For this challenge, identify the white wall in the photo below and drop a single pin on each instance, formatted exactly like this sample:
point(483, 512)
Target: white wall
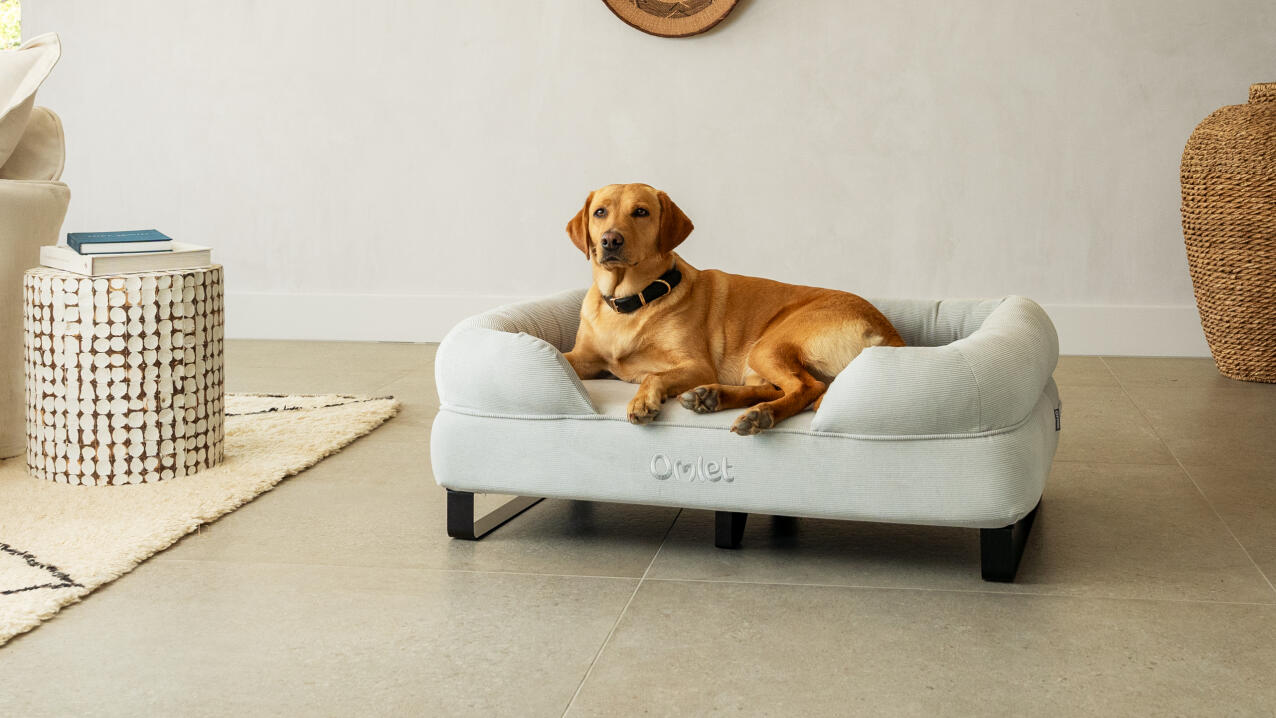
point(381, 174)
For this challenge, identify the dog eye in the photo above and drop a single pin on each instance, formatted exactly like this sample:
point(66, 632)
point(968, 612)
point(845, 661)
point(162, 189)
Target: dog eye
point(600, 212)
point(640, 212)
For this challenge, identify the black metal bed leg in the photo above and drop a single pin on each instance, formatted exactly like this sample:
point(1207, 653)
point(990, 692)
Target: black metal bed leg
point(728, 528)
point(460, 514)
point(1001, 549)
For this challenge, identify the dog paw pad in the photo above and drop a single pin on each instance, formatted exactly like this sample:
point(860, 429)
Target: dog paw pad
point(641, 412)
point(753, 421)
point(702, 400)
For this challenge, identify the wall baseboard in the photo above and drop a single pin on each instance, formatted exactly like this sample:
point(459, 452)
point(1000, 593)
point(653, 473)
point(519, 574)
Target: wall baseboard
point(1083, 329)
point(1129, 330)
point(352, 317)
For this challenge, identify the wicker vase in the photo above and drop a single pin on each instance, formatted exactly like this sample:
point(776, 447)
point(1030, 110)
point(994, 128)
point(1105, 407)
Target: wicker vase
point(1229, 225)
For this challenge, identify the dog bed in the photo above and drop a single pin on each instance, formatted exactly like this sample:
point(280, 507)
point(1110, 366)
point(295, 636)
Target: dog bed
point(956, 429)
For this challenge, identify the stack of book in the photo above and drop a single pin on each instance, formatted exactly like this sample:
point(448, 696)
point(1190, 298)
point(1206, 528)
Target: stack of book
point(144, 250)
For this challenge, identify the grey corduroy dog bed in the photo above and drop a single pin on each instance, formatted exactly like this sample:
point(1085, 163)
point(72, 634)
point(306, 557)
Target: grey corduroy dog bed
point(958, 428)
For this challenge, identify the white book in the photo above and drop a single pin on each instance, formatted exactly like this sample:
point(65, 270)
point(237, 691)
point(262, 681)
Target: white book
point(183, 256)
point(127, 247)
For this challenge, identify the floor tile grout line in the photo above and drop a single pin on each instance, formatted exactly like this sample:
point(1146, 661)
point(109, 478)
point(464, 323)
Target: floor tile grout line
point(433, 569)
point(981, 592)
point(1227, 526)
point(1191, 478)
point(396, 378)
point(1114, 463)
point(532, 574)
point(620, 617)
point(851, 586)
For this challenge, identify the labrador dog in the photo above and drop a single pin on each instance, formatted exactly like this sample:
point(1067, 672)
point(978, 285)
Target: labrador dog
point(714, 340)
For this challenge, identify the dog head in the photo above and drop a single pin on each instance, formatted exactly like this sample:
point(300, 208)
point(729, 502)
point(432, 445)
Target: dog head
point(623, 225)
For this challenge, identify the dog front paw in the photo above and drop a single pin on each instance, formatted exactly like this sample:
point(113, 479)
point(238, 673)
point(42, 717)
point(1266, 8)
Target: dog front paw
point(754, 421)
point(702, 399)
point(642, 410)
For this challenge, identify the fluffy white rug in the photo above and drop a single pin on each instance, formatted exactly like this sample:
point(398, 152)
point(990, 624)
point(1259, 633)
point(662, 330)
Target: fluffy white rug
point(58, 542)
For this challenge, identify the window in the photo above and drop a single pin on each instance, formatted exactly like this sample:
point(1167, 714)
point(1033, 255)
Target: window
point(10, 24)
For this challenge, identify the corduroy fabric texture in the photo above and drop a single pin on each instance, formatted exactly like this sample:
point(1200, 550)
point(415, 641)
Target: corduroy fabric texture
point(554, 318)
point(972, 365)
point(958, 429)
point(987, 379)
point(975, 481)
point(934, 323)
point(510, 359)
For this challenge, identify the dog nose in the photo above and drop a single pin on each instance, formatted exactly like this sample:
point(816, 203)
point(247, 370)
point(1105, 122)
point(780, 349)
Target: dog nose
point(612, 239)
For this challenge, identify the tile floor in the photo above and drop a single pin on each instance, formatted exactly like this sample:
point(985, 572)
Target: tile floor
point(1146, 587)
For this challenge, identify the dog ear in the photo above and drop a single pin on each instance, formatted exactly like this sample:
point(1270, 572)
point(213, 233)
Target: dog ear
point(578, 227)
point(674, 225)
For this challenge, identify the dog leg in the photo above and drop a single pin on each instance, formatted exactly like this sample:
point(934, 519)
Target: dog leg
point(587, 364)
point(717, 397)
point(780, 366)
point(651, 394)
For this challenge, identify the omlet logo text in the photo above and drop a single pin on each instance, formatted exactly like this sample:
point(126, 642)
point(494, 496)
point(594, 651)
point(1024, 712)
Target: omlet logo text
point(663, 467)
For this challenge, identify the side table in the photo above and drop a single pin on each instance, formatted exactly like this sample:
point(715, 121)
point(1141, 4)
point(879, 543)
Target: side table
point(123, 375)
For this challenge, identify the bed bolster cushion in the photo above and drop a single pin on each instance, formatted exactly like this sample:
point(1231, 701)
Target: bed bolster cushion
point(554, 319)
point(934, 323)
point(487, 371)
point(987, 381)
point(500, 362)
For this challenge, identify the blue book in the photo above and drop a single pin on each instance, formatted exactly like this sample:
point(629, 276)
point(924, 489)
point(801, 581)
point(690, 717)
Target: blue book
point(130, 242)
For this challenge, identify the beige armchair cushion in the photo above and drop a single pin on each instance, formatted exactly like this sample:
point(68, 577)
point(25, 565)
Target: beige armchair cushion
point(31, 215)
point(21, 73)
point(41, 152)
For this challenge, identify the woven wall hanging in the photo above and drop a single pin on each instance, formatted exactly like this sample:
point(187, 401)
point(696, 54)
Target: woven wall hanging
point(1229, 224)
point(671, 19)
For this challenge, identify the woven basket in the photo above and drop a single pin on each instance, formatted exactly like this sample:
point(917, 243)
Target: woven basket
point(1229, 225)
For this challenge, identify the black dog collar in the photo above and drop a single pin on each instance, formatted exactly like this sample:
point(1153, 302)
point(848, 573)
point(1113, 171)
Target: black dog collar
point(651, 293)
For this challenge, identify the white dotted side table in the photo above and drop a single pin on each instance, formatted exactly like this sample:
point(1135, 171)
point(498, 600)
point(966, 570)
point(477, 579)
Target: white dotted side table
point(123, 375)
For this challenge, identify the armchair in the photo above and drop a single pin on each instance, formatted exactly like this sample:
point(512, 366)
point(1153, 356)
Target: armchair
point(33, 203)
